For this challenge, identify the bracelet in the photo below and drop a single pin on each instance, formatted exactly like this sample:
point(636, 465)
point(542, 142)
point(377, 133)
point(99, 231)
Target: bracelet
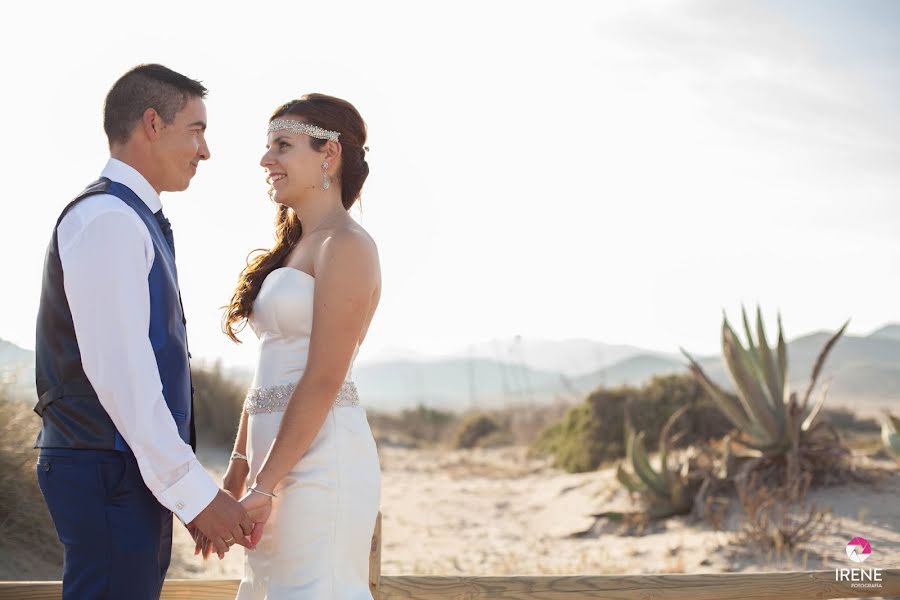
point(253, 489)
point(237, 454)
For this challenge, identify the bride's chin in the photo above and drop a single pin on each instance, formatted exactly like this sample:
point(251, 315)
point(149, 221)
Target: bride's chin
point(283, 200)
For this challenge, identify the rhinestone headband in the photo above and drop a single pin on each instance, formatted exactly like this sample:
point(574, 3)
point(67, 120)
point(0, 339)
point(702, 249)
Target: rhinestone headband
point(301, 127)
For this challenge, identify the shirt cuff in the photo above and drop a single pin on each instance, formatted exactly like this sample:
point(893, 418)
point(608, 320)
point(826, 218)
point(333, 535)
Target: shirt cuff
point(188, 496)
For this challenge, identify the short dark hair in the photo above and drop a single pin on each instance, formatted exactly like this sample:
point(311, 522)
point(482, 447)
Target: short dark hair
point(143, 87)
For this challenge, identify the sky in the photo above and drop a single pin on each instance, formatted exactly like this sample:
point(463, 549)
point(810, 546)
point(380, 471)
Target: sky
point(623, 171)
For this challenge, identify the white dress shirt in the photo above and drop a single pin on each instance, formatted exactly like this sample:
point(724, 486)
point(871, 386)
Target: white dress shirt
point(106, 254)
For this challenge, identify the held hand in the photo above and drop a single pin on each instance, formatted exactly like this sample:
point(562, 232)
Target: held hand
point(259, 507)
point(224, 522)
point(202, 545)
point(195, 535)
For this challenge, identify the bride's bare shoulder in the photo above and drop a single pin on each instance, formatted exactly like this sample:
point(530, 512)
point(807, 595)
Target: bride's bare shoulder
point(352, 243)
point(355, 229)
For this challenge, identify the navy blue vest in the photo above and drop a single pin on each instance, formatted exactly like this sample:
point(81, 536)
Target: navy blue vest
point(68, 405)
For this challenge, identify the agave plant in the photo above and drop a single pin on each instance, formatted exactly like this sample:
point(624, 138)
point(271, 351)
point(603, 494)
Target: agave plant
point(665, 492)
point(765, 410)
point(890, 434)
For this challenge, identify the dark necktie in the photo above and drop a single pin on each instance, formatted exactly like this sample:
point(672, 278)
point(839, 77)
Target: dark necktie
point(166, 227)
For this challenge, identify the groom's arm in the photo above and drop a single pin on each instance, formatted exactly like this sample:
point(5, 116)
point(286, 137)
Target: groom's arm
point(106, 257)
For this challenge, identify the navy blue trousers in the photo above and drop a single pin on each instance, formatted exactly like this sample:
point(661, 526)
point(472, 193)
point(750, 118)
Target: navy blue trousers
point(117, 536)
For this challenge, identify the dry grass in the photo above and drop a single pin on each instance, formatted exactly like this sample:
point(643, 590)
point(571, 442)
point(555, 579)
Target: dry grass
point(474, 429)
point(218, 401)
point(526, 422)
point(424, 427)
point(820, 455)
point(412, 428)
point(777, 519)
point(29, 544)
point(29, 547)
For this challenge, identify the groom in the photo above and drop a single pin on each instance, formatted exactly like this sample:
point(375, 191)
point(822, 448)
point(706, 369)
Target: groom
point(113, 373)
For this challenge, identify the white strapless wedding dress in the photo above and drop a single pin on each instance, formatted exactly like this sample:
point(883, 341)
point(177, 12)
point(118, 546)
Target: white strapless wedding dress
point(316, 544)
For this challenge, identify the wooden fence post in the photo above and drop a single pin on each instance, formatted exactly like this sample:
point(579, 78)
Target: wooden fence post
point(375, 558)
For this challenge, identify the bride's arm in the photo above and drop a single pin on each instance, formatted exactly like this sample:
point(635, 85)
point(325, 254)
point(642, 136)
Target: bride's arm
point(236, 476)
point(234, 482)
point(347, 275)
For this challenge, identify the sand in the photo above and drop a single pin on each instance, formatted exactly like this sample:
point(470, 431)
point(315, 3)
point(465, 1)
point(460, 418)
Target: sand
point(497, 512)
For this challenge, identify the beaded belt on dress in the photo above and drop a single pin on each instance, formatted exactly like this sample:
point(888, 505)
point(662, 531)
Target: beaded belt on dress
point(275, 398)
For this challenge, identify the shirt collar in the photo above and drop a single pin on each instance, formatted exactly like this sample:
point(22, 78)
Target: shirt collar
point(123, 173)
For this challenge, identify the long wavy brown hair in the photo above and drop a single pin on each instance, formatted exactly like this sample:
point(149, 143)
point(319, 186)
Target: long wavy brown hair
point(329, 113)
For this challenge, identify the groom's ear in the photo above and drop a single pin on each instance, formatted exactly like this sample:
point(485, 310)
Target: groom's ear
point(151, 124)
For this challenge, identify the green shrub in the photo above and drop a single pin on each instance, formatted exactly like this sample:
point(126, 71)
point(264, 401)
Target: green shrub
point(891, 434)
point(593, 433)
point(582, 440)
point(473, 429)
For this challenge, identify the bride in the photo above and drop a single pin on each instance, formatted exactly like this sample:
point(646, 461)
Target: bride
point(304, 444)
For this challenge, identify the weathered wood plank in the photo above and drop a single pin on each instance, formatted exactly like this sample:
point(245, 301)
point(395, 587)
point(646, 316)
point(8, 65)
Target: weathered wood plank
point(173, 589)
point(746, 586)
point(708, 586)
point(375, 558)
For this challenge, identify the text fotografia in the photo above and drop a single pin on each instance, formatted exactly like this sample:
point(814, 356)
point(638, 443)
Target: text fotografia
point(859, 578)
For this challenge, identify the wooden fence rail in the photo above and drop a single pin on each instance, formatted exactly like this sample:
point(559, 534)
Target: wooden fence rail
point(802, 585)
point(717, 586)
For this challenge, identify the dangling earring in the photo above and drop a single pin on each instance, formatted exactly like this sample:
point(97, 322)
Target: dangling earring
point(326, 181)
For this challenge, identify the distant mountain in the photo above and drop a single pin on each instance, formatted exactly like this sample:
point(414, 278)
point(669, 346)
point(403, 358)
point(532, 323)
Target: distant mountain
point(857, 368)
point(452, 384)
point(17, 369)
point(508, 371)
point(891, 331)
point(869, 381)
point(384, 354)
point(572, 357)
point(10, 354)
point(501, 371)
point(849, 349)
point(460, 384)
point(631, 371)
